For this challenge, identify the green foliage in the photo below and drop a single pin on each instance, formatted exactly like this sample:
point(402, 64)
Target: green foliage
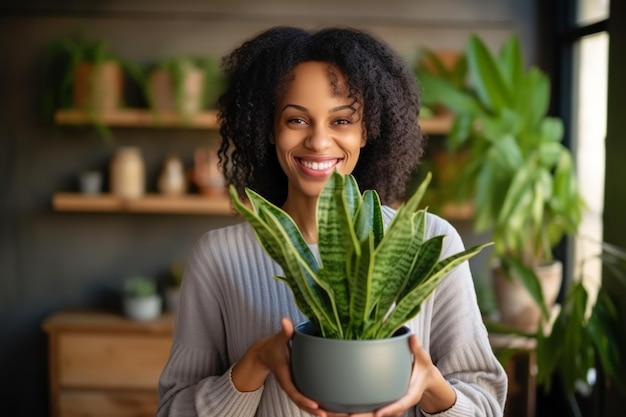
point(139, 287)
point(585, 334)
point(175, 275)
point(519, 175)
point(370, 281)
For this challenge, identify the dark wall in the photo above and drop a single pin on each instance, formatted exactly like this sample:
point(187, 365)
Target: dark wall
point(615, 197)
point(51, 260)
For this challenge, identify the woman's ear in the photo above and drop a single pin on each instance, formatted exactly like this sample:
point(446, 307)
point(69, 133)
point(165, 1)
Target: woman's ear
point(364, 138)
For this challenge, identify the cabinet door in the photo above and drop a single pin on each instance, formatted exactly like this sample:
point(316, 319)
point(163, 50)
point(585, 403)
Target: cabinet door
point(120, 361)
point(75, 403)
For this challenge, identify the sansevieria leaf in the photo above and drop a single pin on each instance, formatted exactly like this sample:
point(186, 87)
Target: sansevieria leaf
point(371, 280)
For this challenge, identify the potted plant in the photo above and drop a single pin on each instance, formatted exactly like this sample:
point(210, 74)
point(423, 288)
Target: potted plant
point(585, 336)
point(184, 85)
point(519, 175)
point(368, 283)
point(141, 300)
point(86, 75)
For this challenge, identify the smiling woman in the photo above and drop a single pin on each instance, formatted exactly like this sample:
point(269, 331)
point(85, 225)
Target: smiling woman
point(299, 106)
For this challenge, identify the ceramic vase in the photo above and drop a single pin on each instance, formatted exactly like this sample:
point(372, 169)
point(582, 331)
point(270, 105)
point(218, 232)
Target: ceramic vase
point(172, 180)
point(128, 173)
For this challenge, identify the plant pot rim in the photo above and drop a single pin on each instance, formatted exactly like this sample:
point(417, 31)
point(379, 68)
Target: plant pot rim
point(308, 330)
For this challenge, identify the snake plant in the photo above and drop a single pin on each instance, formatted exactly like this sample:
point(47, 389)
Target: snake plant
point(370, 280)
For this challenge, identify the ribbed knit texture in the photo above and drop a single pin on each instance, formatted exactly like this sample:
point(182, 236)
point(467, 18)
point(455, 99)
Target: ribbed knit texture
point(229, 300)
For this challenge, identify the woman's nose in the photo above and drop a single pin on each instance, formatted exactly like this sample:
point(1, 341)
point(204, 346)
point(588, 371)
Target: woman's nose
point(319, 138)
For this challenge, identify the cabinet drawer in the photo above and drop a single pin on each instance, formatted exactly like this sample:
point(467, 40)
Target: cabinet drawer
point(121, 361)
point(107, 404)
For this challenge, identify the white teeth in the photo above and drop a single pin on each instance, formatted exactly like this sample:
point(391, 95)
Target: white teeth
point(318, 166)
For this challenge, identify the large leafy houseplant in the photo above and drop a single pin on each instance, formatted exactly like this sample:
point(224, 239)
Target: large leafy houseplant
point(524, 187)
point(519, 175)
point(370, 279)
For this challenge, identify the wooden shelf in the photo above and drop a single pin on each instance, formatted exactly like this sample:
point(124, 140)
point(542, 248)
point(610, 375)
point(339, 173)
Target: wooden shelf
point(138, 118)
point(150, 203)
point(439, 125)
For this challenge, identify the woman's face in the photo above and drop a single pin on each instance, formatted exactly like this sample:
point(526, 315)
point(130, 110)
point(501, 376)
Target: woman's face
point(318, 129)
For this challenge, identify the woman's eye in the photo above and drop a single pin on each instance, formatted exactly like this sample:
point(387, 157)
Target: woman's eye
point(296, 120)
point(342, 121)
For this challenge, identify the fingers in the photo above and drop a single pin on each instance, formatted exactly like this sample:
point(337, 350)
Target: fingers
point(414, 344)
point(415, 388)
point(287, 326)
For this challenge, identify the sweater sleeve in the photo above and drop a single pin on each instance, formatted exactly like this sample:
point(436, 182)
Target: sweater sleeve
point(196, 379)
point(459, 343)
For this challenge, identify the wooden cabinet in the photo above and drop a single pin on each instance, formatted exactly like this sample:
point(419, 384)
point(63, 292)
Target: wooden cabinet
point(102, 364)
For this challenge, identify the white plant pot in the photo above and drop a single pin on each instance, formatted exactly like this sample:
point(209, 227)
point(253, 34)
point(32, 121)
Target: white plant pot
point(142, 309)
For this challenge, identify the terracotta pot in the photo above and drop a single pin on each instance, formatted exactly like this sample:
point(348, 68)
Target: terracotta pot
point(515, 304)
point(165, 97)
point(98, 87)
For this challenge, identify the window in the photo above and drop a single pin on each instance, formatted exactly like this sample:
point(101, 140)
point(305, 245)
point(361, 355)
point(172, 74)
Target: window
point(584, 43)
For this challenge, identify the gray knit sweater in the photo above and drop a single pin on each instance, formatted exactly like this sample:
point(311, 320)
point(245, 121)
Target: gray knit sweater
point(229, 300)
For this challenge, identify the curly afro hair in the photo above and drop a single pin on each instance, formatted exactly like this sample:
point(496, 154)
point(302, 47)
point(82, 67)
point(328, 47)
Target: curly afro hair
point(259, 71)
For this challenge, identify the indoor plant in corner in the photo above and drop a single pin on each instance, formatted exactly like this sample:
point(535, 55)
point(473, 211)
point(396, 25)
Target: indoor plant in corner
point(369, 281)
point(519, 174)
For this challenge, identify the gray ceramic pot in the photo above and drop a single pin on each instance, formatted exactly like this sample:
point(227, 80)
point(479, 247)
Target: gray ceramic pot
point(350, 376)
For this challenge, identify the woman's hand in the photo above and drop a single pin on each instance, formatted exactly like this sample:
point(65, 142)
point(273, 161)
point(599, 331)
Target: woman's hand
point(427, 387)
point(272, 354)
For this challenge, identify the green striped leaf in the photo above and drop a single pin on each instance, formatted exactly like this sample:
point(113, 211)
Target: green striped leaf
point(364, 269)
point(406, 308)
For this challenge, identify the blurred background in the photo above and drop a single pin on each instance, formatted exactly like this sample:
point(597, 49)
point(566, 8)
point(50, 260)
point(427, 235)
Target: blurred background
point(105, 191)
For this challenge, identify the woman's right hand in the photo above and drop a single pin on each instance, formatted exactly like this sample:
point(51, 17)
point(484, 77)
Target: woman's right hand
point(272, 354)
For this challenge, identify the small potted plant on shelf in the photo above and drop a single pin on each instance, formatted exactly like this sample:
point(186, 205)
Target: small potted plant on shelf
point(519, 175)
point(369, 282)
point(184, 85)
point(86, 75)
point(141, 300)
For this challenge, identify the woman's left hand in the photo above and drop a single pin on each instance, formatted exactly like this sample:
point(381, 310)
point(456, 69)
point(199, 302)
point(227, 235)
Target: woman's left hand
point(427, 387)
